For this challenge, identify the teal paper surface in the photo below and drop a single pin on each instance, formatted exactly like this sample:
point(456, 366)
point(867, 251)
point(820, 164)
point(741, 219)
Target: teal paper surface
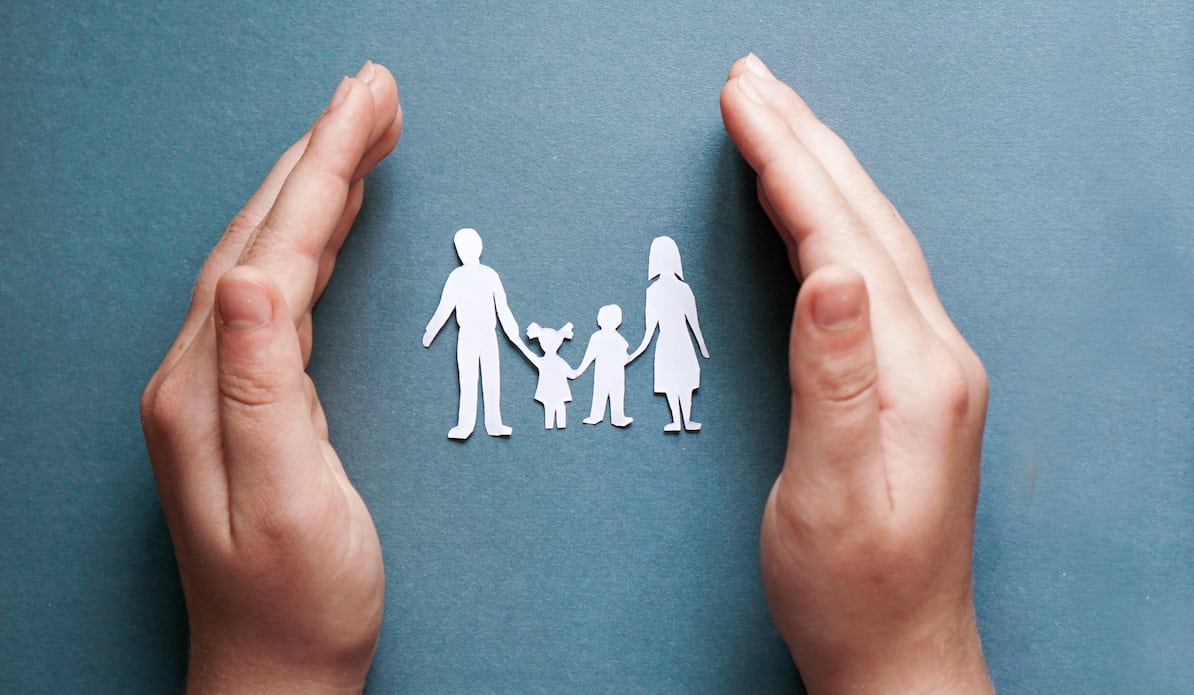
point(1042, 153)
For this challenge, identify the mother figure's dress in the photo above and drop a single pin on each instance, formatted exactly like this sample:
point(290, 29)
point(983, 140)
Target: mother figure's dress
point(670, 302)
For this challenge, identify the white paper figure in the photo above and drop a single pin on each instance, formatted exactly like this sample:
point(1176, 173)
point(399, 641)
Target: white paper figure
point(553, 391)
point(672, 308)
point(608, 349)
point(475, 293)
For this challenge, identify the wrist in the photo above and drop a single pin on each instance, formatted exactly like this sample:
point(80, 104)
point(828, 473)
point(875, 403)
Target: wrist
point(221, 669)
point(934, 661)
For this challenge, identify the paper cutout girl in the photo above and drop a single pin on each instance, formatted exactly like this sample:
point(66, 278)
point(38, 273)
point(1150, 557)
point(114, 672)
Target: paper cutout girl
point(608, 349)
point(553, 391)
point(671, 307)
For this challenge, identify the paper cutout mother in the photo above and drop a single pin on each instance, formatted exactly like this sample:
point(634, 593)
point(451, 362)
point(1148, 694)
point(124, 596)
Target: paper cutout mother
point(671, 307)
point(474, 291)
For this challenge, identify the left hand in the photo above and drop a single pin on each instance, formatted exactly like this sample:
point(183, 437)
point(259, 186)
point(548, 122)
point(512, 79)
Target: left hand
point(279, 559)
point(867, 536)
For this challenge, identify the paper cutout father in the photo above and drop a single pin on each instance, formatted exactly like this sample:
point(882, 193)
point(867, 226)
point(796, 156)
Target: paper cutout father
point(474, 291)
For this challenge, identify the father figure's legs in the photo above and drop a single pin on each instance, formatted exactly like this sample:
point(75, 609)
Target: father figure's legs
point(491, 385)
point(467, 363)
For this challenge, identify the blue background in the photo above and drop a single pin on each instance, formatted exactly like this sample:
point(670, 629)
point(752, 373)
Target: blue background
point(1043, 152)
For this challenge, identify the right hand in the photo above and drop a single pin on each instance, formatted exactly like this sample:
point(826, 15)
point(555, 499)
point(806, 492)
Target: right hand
point(868, 532)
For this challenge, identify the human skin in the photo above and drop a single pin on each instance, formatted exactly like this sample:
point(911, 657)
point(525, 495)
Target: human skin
point(279, 559)
point(868, 533)
point(867, 538)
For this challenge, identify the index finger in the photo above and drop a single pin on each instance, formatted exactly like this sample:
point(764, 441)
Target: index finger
point(818, 220)
point(873, 208)
point(291, 239)
point(231, 246)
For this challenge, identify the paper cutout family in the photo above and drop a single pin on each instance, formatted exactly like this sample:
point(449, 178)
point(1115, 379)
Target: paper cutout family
point(475, 294)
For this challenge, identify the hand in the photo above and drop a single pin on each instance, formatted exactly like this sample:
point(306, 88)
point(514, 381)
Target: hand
point(428, 336)
point(526, 352)
point(279, 560)
point(867, 535)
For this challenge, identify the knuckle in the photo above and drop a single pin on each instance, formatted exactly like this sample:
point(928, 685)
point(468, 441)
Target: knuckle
point(249, 391)
point(801, 515)
point(289, 520)
point(956, 396)
point(773, 170)
point(872, 198)
point(777, 174)
point(164, 403)
point(845, 383)
point(838, 215)
point(812, 511)
point(980, 380)
point(281, 240)
point(803, 116)
point(949, 389)
point(281, 525)
point(148, 395)
point(798, 521)
point(243, 224)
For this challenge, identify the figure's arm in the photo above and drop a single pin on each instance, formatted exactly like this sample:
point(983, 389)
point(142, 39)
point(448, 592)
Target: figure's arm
point(590, 355)
point(690, 313)
point(447, 303)
point(652, 323)
point(509, 324)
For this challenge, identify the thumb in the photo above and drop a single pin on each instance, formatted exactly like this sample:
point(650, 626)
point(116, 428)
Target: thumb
point(269, 438)
point(834, 444)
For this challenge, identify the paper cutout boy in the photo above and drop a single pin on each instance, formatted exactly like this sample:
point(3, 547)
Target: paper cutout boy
point(474, 291)
point(608, 349)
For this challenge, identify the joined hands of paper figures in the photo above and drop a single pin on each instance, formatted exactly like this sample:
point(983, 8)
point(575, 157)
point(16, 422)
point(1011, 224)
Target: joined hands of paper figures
point(474, 292)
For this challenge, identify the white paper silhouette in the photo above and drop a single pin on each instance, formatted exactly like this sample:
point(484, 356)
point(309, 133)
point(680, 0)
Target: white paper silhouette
point(475, 293)
point(608, 349)
point(553, 391)
point(671, 308)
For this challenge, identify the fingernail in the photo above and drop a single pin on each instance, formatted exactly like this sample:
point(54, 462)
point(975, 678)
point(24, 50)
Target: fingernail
point(757, 66)
point(838, 308)
point(365, 74)
point(244, 305)
point(341, 94)
point(749, 86)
